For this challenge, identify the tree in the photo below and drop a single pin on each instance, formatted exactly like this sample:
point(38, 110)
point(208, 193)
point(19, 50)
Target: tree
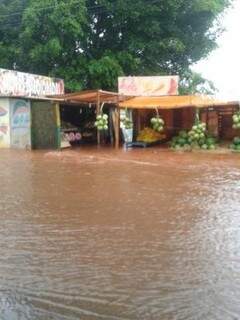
point(10, 21)
point(91, 42)
point(193, 82)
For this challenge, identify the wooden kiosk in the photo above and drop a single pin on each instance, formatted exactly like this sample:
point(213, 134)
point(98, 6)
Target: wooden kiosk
point(178, 112)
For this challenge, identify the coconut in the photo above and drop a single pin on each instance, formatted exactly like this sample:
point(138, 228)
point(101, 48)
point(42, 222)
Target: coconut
point(101, 122)
point(157, 124)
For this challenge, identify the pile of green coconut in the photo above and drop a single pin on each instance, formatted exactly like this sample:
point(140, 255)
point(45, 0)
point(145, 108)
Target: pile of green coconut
point(196, 138)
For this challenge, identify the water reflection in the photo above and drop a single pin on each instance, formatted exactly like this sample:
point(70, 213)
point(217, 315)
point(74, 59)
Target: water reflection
point(94, 234)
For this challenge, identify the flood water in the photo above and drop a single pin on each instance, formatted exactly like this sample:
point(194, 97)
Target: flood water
point(101, 234)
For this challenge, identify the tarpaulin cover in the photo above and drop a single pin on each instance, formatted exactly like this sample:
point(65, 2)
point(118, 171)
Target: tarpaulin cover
point(92, 96)
point(172, 102)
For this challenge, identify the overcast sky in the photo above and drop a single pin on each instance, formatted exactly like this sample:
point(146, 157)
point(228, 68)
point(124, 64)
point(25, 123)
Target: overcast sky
point(223, 65)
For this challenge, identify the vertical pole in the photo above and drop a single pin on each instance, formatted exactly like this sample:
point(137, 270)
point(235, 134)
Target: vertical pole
point(207, 116)
point(58, 125)
point(117, 126)
point(138, 121)
point(98, 111)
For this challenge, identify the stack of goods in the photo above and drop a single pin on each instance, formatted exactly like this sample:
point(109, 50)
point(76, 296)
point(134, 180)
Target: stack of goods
point(196, 138)
point(72, 136)
point(199, 138)
point(236, 120)
point(235, 146)
point(197, 132)
point(157, 124)
point(102, 122)
point(126, 123)
point(181, 141)
point(149, 135)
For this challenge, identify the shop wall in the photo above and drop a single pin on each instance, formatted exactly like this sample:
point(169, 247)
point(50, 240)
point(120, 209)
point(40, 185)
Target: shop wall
point(183, 119)
point(212, 120)
point(4, 123)
point(188, 115)
point(45, 125)
point(20, 120)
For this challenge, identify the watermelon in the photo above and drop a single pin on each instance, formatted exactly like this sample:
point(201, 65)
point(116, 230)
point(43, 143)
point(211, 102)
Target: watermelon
point(211, 147)
point(236, 140)
point(183, 134)
point(204, 147)
point(201, 142)
point(182, 141)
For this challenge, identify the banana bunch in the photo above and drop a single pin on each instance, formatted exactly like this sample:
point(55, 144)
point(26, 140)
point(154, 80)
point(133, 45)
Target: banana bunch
point(149, 135)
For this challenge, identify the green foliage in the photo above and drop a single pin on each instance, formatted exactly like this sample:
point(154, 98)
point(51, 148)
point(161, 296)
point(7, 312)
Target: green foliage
point(104, 72)
point(193, 82)
point(91, 42)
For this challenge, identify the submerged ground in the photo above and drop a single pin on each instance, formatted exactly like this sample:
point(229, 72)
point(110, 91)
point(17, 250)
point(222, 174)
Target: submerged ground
point(100, 234)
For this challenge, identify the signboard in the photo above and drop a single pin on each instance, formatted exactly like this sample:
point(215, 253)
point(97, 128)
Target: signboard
point(148, 86)
point(19, 84)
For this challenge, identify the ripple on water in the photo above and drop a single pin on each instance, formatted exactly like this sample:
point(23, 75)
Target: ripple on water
point(88, 235)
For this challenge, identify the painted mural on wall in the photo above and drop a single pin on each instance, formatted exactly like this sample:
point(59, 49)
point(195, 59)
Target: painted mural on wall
point(148, 86)
point(20, 84)
point(20, 124)
point(4, 124)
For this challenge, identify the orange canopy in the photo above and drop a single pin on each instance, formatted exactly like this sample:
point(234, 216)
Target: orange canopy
point(172, 102)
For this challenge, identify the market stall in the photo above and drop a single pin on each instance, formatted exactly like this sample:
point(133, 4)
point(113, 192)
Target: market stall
point(177, 113)
point(90, 116)
point(28, 119)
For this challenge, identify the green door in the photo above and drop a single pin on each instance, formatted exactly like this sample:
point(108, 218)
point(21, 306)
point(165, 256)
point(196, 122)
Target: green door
point(45, 125)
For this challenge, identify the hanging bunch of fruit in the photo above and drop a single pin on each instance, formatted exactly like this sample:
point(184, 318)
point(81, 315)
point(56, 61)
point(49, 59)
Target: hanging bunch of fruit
point(101, 122)
point(126, 122)
point(235, 145)
point(236, 120)
point(157, 123)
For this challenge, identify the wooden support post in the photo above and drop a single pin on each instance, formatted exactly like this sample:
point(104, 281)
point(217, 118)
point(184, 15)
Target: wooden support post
point(117, 127)
point(207, 118)
point(138, 121)
point(98, 111)
point(58, 124)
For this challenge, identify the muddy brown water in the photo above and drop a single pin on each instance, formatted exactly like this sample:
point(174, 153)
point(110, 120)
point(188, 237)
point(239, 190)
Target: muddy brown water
point(100, 234)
